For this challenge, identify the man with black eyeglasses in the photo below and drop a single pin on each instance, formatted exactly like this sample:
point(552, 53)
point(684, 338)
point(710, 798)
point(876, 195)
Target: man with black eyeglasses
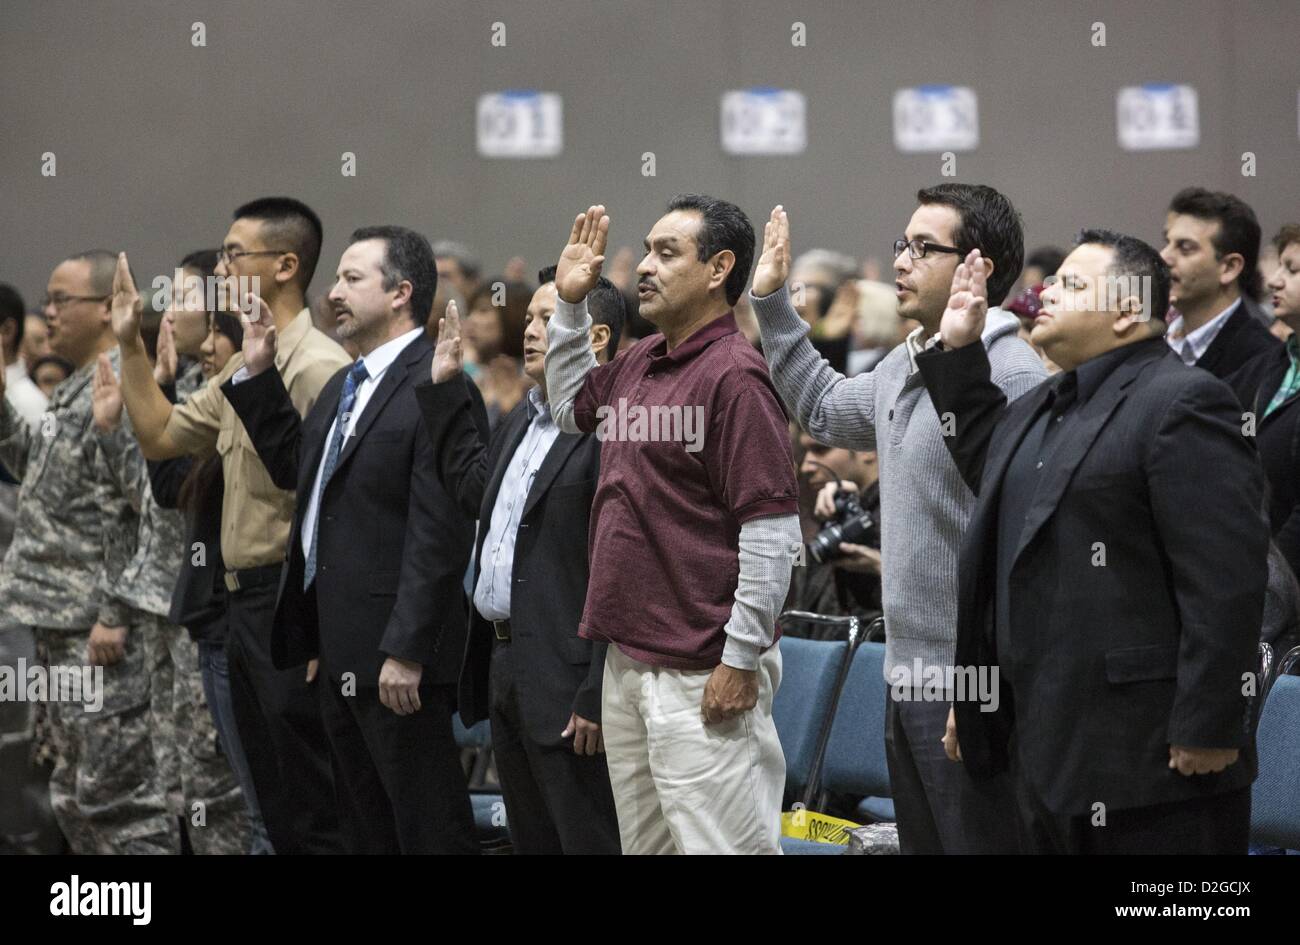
point(924, 503)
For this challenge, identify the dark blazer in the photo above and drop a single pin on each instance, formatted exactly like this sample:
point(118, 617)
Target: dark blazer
point(1242, 338)
point(199, 598)
point(392, 548)
point(1278, 437)
point(1112, 660)
point(550, 565)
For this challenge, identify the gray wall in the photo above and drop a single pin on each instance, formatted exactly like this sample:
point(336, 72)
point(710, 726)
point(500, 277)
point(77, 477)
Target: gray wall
point(157, 141)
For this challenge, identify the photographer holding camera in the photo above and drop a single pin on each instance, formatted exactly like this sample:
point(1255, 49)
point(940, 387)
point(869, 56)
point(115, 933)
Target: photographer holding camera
point(841, 524)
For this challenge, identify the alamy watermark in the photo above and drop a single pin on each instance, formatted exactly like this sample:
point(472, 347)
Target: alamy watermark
point(667, 423)
point(39, 683)
point(922, 682)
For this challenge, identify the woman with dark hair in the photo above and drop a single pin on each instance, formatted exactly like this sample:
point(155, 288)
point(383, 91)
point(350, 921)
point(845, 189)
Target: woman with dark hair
point(195, 487)
point(493, 339)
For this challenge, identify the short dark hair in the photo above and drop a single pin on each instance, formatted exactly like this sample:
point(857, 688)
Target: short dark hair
point(61, 362)
point(202, 260)
point(408, 257)
point(1134, 258)
point(1290, 233)
point(724, 226)
point(605, 303)
point(989, 223)
point(1239, 230)
point(1046, 258)
point(103, 268)
point(292, 223)
point(13, 307)
point(231, 327)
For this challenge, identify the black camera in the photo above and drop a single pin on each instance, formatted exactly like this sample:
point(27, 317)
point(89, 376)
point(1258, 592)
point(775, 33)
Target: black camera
point(851, 524)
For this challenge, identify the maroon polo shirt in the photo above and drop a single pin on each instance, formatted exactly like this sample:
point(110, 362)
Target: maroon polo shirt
point(665, 523)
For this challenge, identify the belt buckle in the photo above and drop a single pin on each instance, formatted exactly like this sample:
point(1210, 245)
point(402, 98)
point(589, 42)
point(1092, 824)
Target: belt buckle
point(502, 629)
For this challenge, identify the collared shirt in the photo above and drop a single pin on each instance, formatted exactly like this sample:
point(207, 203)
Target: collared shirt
point(1031, 463)
point(1192, 347)
point(255, 515)
point(28, 399)
point(377, 363)
point(492, 593)
point(916, 342)
point(694, 444)
point(1291, 382)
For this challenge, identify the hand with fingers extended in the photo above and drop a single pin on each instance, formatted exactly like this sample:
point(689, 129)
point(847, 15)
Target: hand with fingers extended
point(579, 267)
point(773, 266)
point(105, 396)
point(449, 354)
point(127, 306)
point(259, 335)
point(164, 369)
point(968, 302)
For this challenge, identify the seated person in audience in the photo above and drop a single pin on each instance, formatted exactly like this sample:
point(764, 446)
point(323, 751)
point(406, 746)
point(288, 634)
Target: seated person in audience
point(492, 341)
point(846, 579)
point(50, 371)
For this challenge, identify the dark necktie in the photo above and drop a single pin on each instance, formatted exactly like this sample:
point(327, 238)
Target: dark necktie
point(355, 376)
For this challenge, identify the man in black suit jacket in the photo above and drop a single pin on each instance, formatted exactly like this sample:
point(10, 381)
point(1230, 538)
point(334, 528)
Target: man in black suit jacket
point(1212, 250)
point(1113, 571)
point(531, 487)
point(372, 579)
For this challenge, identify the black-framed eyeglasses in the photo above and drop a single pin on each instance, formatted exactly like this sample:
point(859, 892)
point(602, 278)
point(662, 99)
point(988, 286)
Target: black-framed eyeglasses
point(918, 248)
point(228, 256)
point(59, 301)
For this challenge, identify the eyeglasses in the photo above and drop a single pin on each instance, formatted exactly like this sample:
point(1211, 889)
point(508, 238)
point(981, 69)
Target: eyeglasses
point(62, 301)
point(918, 248)
point(228, 256)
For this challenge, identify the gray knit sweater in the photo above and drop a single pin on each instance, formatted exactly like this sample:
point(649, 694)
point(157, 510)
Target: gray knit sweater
point(924, 504)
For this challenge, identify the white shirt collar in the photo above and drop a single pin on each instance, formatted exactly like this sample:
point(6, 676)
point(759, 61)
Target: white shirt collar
point(378, 361)
point(1192, 347)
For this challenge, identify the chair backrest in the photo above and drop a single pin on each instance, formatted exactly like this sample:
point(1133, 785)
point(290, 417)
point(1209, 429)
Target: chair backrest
point(808, 670)
point(1275, 798)
point(479, 735)
point(855, 757)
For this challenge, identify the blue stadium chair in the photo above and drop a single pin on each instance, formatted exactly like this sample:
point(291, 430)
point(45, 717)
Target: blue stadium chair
point(855, 756)
point(808, 670)
point(1275, 797)
point(475, 743)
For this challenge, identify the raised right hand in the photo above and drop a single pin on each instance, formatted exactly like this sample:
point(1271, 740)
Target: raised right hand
point(448, 355)
point(259, 335)
point(579, 267)
point(968, 303)
point(126, 304)
point(164, 369)
point(773, 266)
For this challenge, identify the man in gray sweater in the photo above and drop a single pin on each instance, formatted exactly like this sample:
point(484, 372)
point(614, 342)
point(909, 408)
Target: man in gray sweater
point(924, 504)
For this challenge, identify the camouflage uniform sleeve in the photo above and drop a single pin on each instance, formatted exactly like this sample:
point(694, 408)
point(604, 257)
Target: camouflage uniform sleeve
point(15, 439)
point(124, 461)
point(119, 506)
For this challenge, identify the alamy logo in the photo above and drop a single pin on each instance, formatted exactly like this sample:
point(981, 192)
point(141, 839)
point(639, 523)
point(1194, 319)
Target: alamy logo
point(36, 683)
point(103, 899)
point(659, 423)
point(932, 683)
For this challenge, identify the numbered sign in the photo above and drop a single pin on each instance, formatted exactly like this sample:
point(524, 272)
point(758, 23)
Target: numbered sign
point(936, 118)
point(1157, 116)
point(764, 121)
point(520, 124)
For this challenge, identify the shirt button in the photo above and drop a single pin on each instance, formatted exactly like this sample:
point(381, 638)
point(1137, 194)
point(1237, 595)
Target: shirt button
point(891, 415)
point(1040, 465)
point(1060, 418)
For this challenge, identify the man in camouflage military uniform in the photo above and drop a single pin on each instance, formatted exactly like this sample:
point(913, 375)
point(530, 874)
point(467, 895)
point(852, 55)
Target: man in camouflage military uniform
point(75, 533)
point(202, 787)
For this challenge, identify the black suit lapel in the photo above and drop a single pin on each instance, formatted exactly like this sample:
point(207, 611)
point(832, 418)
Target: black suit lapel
point(564, 444)
point(394, 378)
point(1070, 453)
point(512, 436)
point(1025, 410)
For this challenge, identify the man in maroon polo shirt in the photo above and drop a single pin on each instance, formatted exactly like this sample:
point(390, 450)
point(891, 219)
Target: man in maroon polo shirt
point(692, 530)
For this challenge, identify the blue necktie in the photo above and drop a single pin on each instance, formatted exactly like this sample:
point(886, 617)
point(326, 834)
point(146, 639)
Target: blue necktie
point(355, 376)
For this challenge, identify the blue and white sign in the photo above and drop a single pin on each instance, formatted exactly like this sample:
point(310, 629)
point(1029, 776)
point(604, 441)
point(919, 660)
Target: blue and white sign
point(520, 124)
point(764, 121)
point(936, 118)
point(1157, 116)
